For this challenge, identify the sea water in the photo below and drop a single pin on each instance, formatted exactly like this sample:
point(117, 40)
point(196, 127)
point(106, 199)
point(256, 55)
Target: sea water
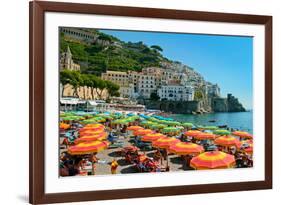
point(236, 120)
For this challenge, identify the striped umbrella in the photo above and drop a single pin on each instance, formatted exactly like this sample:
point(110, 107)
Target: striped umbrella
point(186, 148)
point(100, 137)
point(152, 137)
point(135, 128)
point(213, 160)
point(91, 129)
point(143, 132)
point(96, 125)
point(90, 132)
point(164, 142)
point(227, 141)
point(244, 135)
point(87, 147)
point(205, 136)
point(192, 133)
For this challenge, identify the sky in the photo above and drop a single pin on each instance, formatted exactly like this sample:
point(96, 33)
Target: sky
point(225, 60)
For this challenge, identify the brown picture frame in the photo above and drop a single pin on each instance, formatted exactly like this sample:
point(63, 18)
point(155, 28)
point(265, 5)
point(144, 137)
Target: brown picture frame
point(37, 193)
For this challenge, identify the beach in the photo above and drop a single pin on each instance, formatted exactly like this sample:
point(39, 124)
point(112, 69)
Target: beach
point(122, 143)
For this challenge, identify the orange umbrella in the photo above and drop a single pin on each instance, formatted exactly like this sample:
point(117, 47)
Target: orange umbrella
point(100, 137)
point(227, 141)
point(152, 137)
point(94, 125)
point(87, 147)
point(90, 132)
point(205, 136)
point(185, 148)
point(242, 134)
point(64, 126)
point(192, 133)
point(213, 160)
point(142, 132)
point(135, 128)
point(164, 142)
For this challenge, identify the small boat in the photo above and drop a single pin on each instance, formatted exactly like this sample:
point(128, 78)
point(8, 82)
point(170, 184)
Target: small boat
point(212, 120)
point(223, 126)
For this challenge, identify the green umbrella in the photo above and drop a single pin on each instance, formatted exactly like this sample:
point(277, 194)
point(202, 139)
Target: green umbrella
point(89, 121)
point(221, 132)
point(173, 123)
point(187, 125)
point(170, 129)
point(210, 127)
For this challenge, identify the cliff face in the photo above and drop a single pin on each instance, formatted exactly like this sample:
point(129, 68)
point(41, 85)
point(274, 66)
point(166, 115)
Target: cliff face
point(229, 104)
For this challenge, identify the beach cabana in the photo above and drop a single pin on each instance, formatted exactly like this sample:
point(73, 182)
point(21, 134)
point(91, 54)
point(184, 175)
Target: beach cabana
point(213, 160)
point(88, 148)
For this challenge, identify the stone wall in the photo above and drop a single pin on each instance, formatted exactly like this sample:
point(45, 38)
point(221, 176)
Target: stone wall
point(186, 107)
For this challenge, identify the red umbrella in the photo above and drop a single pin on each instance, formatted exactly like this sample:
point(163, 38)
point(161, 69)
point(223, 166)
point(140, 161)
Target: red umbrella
point(142, 132)
point(192, 133)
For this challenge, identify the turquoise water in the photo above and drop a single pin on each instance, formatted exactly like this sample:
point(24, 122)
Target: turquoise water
point(237, 120)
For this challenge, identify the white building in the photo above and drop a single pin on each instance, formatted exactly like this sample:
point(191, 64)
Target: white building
point(146, 85)
point(213, 90)
point(176, 92)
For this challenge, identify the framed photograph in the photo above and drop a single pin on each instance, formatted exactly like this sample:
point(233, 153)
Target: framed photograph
point(132, 102)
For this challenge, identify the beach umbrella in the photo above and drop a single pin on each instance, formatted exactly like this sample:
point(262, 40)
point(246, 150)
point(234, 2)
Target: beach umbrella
point(173, 123)
point(90, 129)
point(64, 126)
point(227, 141)
point(244, 135)
point(192, 133)
point(210, 127)
point(213, 160)
point(89, 121)
point(152, 137)
point(88, 147)
point(90, 132)
point(205, 136)
point(142, 132)
point(164, 142)
point(186, 148)
point(134, 128)
point(100, 137)
point(158, 126)
point(221, 132)
point(170, 129)
point(187, 125)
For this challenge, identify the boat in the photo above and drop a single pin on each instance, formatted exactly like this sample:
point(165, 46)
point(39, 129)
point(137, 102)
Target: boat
point(212, 120)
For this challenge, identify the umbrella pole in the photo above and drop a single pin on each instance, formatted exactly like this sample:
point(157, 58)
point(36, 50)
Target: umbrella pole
point(93, 164)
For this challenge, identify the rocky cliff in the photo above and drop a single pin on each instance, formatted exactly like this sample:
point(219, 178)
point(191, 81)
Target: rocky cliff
point(229, 104)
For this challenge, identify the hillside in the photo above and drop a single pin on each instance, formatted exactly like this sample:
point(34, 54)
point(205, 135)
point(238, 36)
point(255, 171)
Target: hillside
point(108, 52)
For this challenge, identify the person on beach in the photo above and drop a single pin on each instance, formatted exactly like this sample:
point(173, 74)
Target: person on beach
point(114, 165)
point(94, 161)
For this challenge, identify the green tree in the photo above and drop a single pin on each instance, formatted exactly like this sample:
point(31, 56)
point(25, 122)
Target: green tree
point(154, 96)
point(156, 47)
point(198, 95)
point(112, 88)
